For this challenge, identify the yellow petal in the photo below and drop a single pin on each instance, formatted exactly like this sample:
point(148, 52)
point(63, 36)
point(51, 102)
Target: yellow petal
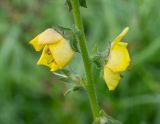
point(62, 53)
point(119, 58)
point(120, 36)
point(111, 78)
point(49, 36)
point(47, 59)
point(35, 44)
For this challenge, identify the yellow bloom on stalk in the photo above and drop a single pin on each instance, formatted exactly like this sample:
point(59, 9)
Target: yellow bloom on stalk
point(118, 61)
point(56, 53)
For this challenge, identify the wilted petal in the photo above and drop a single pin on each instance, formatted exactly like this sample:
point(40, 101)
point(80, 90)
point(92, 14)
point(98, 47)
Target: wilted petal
point(111, 78)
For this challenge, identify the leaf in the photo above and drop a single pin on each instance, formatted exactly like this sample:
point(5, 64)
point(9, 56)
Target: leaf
point(72, 89)
point(94, 50)
point(66, 72)
point(61, 77)
point(82, 3)
point(64, 28)
point(66, 31)
point(68, 76)
point(76, 31)
point(69, 5)
point(106, 119)
point(74, 41)
point(74, 45)
point(70, 34)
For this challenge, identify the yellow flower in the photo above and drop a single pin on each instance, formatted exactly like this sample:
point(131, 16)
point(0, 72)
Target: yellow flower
point(112, 78)
point(56, 53)
point(118, 61)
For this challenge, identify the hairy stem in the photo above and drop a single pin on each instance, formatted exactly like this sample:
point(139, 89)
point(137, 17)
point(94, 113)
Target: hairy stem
point(86, 59)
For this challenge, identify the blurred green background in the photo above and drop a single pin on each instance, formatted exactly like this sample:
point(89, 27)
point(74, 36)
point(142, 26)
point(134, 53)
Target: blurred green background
point(31, 94)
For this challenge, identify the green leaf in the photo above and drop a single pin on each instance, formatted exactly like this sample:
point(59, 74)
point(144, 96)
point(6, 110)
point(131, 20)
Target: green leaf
point(74, 41)
point(68, 76)
point(82, 3)
point(70, 34)
point(61, 77)
point(72, 89)
point(69, 5)
point(66, 31)
point(64, 28)
point(94, 50)
point(74, 45)
point(106, 119)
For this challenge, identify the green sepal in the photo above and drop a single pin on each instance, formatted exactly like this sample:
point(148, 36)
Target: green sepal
point(65, 31)
point(70, 34)
point(94, 50)
point(99, 58)
point(62, 77)
point(68, 76)
point(62, 28)
point(72, 89)
point(74, 44)
point(105, 119)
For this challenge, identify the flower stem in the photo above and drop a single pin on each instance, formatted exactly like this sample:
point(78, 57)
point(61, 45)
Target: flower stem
point(86, 59)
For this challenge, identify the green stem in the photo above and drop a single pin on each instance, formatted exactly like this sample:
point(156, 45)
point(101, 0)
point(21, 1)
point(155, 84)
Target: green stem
point(86, 59)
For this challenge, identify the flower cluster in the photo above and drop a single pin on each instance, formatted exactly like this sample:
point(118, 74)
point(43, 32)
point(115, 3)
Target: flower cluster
point(118, 61)
point(56, 53)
